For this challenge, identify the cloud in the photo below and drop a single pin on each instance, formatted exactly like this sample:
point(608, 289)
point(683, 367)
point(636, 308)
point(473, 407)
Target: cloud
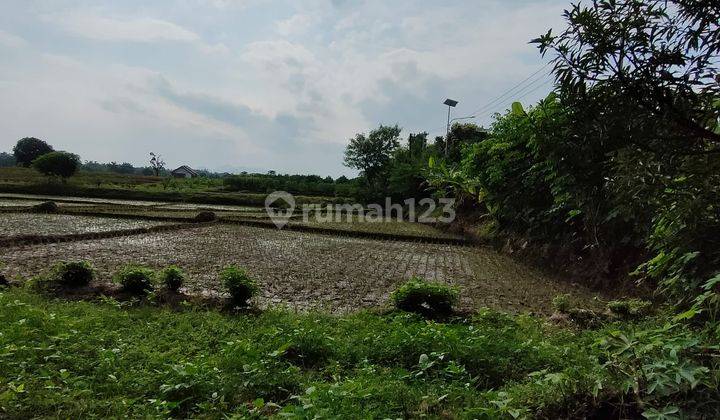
point(281, 84)
point(11, 41)
point(297, 24)
point(130, 29)
point(117, 29)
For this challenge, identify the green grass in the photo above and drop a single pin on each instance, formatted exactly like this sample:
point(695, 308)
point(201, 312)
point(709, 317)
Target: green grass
point(77, 359)
point(105, 359)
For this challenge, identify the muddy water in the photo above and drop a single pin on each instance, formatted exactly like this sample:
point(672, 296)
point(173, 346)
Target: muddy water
point(12, 224)
point(303, 271)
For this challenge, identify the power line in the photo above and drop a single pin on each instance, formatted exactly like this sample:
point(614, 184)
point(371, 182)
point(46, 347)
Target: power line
point(511, 91)
point(515, 99)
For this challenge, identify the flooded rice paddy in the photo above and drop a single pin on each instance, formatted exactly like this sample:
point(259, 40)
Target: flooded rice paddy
point(302, 270)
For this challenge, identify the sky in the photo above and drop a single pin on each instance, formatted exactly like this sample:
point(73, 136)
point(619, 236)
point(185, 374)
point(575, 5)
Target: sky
point(257, 85)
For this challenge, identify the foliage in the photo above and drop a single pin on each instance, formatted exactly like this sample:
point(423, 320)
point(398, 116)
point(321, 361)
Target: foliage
point(639, 79)
point(28, 149)
point(561, 303)
point(135, 279)
point(172, 277)
point(57, 164)
point(7, 160)
point(657, 365)
point(371, 154)
point(630, 308)
point(294, 184)
point(73, 273)
point(281, 363)
point(423, 297)
point(240, 286)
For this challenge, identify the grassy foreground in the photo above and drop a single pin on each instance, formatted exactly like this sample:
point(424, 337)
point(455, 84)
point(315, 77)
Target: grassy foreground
point(81, 359)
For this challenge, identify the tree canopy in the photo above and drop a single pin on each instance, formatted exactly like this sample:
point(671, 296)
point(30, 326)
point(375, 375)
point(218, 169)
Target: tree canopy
point(28, 149)
point(57, 164)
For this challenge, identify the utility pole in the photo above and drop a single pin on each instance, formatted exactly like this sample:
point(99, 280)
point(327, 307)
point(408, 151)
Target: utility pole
point(450, 104)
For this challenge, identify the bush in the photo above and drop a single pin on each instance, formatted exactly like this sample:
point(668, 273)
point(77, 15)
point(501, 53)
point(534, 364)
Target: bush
point(241, 287)
point(205, 216)
point(46, 207)
point(73, 273)
point(629, 308)
point(135, 279)
point(420, 296)
point(60, 164)
point(561, 303)
point(172, 277)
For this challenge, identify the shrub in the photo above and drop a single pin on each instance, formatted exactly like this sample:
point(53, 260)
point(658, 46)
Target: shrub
point(46, 207)
point(172, 277)
point(57, 164)
point(205, 216)
point(420, 296)
point(629, 308)
point(561, 303)
point(135, 279)
point(239, 284)
point(73, 273)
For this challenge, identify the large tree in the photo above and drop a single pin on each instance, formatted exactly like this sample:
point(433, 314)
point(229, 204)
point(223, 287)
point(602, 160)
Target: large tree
point(372, 153)
point(28, 149)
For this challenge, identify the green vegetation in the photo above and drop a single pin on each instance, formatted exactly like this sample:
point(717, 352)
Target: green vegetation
point(64, 274)
point(423, 297)
point(135, 279)
point(240, 286)
point(172, 277)
point(63, 359)
point(57, 164)
point(28, 149)
point(73, 273)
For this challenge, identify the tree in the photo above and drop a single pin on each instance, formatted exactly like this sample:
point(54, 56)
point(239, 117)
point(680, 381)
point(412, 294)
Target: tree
point(658, 56)
point(156, 163)
point(372, 154)
point(7, 160)
point(60, 164)
point(639, 79)
point(28, 149)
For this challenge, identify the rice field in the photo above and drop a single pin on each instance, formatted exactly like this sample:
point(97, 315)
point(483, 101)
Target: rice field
point(67, 199)
point(21, 224)
point(309, 271)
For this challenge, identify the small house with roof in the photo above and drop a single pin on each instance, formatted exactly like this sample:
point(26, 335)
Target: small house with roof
point(184, 172)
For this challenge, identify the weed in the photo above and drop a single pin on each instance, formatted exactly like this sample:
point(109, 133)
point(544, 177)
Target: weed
point(420, 296)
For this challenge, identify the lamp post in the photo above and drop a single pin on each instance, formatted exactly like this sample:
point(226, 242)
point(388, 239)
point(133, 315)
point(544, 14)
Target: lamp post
point(450, 104)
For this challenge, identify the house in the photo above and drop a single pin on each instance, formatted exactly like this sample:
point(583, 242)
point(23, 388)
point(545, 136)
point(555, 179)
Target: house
point(184, 172)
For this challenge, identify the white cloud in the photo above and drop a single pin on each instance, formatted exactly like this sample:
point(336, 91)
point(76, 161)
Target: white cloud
point(11, 41)
point(141, 29)
point(297, 24)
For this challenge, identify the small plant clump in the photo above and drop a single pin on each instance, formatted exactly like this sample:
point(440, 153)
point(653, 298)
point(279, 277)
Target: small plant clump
point(46, 207)
point(73, 273)
point(172, 277)
point(629, 308)
point(205, 216)
point(423, 297)
point(135, 279)
point(240, 286)
point(561, 303)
